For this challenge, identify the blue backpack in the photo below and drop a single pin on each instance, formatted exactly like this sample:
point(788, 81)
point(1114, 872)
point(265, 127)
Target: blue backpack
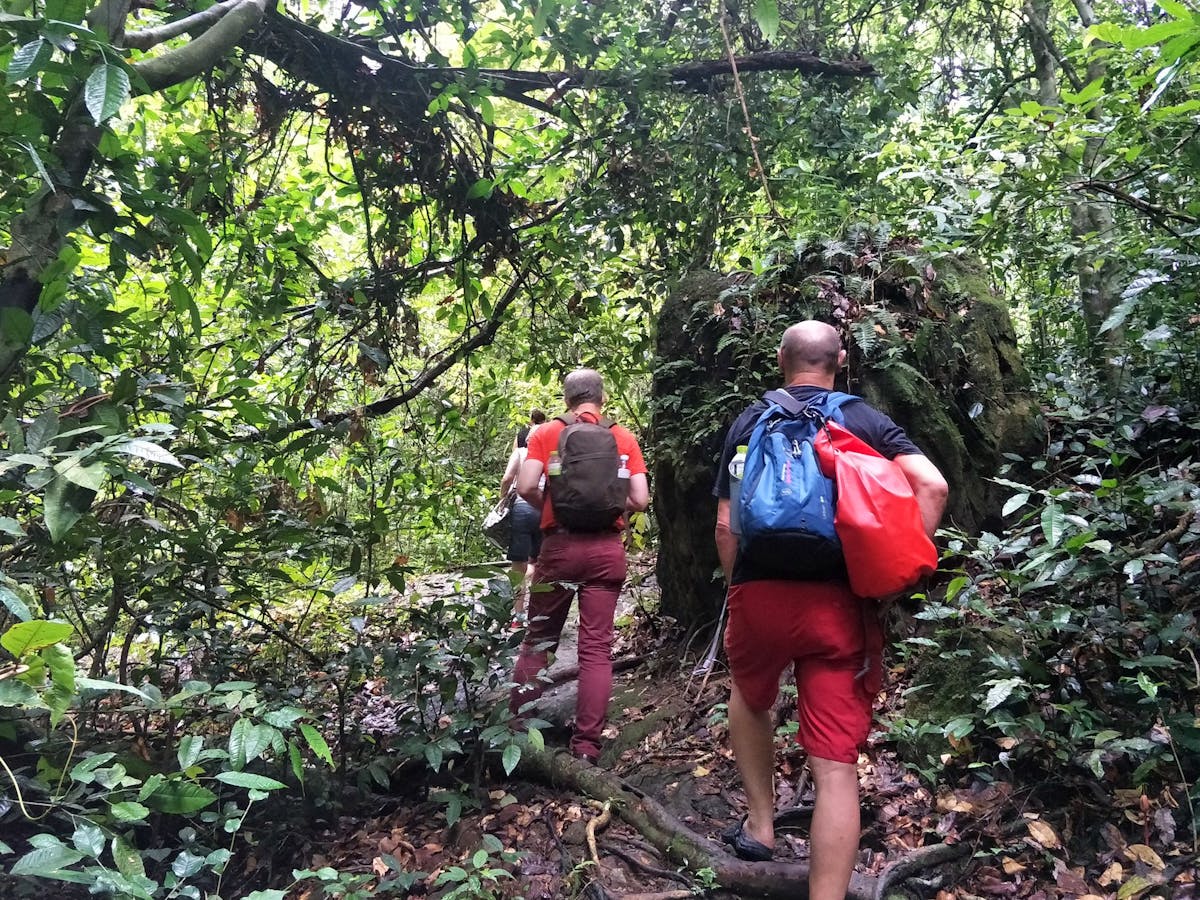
point(786, 504)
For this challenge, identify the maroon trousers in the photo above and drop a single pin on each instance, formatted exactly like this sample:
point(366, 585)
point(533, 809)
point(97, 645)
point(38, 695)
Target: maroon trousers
point(591, 567)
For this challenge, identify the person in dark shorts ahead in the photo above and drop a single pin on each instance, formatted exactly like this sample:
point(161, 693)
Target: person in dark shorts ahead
point(831, 637)
point(525, 542)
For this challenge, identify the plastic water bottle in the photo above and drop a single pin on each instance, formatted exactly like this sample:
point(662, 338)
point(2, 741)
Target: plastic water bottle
point(554, 464)
point(623, 469)
point(736, 466)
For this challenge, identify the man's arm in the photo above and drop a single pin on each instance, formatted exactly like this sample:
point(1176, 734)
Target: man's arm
point(528, 480)
point(639, 493)
point(929, 487)
point(727, 541)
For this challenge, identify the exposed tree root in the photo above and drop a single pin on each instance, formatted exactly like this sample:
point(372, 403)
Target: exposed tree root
point(671, 837)
point(917, 861)
point(684, 847)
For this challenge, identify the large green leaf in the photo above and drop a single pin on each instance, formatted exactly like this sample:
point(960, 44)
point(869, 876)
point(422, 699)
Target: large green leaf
point(45, 860)
point(64, 504)
point(128, 860)
point(106, 89)
point(180, 798)
point(42, 431)
point(29, 637)
point(61, 664)
point(766, 16)
point(28, 60)
point(15, 605)
point(250, 780)
point(1054, 522)
point(148, 450)
point(316, 743)
point(190, 747)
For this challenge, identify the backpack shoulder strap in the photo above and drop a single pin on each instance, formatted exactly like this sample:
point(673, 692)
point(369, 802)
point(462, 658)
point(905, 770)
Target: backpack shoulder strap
point(834, 401)
point(784, 401)
point(567, 418)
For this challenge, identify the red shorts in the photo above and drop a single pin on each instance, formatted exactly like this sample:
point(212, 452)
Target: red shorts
point(829, 635)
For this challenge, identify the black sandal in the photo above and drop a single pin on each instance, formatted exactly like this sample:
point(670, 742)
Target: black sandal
point(744, 846)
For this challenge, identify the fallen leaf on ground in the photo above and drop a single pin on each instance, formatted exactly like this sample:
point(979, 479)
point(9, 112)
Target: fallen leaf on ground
point(1011, 866)
point(1043, 835)
point(1143, 853)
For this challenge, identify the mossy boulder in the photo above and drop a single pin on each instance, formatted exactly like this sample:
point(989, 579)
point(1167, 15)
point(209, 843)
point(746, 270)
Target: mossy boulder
point(929, 343)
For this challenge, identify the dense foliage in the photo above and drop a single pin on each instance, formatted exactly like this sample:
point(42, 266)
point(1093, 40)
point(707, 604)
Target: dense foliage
point(278, 285)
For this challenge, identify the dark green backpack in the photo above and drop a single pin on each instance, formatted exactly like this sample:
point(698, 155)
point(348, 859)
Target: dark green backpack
point(587, 494)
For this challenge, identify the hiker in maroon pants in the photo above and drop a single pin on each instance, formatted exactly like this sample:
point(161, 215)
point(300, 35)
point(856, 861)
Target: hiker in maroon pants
point(595, 474)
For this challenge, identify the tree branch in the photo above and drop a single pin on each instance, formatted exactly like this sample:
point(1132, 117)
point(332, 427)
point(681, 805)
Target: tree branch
point(1158, 213)
point(205, 50)
point(428, 376)
point(146, 38)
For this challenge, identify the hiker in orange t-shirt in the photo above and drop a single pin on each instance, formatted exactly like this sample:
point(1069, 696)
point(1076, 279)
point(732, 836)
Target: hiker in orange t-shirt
point(589, 564)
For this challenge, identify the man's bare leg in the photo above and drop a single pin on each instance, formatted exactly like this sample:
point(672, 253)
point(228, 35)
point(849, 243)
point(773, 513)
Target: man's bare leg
point(835, 827)
point(752, 736)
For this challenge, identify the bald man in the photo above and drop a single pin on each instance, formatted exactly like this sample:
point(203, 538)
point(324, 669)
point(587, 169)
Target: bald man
point(819, 627)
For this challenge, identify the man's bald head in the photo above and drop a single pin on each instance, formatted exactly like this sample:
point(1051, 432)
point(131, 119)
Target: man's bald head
point(811, 353)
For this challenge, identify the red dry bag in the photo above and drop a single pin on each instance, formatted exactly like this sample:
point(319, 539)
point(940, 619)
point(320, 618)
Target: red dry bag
point(877, 519)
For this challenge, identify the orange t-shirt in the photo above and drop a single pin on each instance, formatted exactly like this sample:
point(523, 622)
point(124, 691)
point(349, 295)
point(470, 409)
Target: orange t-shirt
point(545, 439)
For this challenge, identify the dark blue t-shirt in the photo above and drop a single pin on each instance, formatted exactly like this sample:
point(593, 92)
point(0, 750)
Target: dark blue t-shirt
point(866, 422)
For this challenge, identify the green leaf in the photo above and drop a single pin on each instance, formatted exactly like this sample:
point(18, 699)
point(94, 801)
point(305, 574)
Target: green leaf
point(510, 757)
point(46, 860)
point(1090, 92)
point(29, 637)
point(536, 739)
point(89, 476)
point(64, 504)
point(1000, 692)
point(43, 430)
point(187, 864)
point(433, 756)
point(250, 780)
point(296, 761)
point(105, 91)
point(28, 60)
point(1137, 38)
point(128, 861)
point(237, 742)
point(89, 839)
point(317, 744)
point(284, 717)
point(181, 299)
point(1054, 522)
point(148, 450)
point(152, 784)
point(481, 188)
point(766, 16)
point(15, 604)
point(181, 798)
point(36, 159)
point(61, 664)
point(129, 811)
point(18, 693)
point(188, 753)
point(99, 684)
point(1014, 503)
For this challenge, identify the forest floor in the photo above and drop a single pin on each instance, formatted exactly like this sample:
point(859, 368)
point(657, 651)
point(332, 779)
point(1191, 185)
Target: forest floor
point(668, 739)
